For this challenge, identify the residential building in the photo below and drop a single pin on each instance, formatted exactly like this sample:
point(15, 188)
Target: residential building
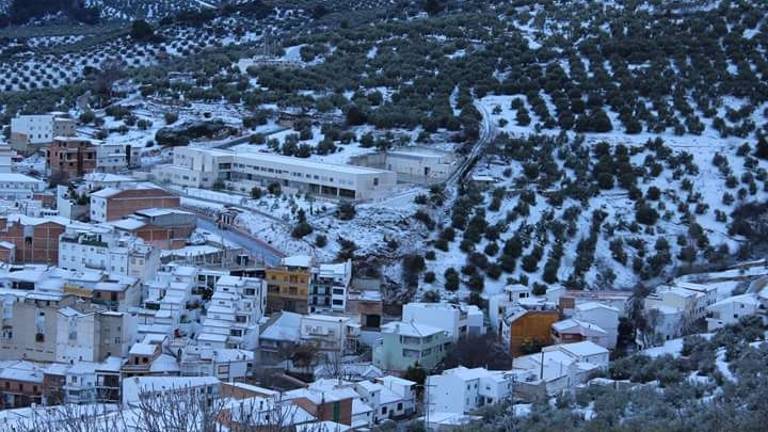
point(462, 390)
point(732, 309)
point(324, 404)
point(90, 333)
point(573, 330)
point(116, 157)
point(103, 248)
point(194, 167)
point(403, 344)
point(526, 331)
point(19, 187)
point(227, 365)
point(162, 228)
point(556, 369)
point(21, 384)
point(620, 300)
point(288, 285)
point(459, 321)
point(33, 240)
point(71, 157)
point(137, 388)
point(329, 287)
point(30, 132)
point(330, 334)
point(112, 204)
point(278, 335)
point(499, 304)
point(236, 307)
point(603, 316)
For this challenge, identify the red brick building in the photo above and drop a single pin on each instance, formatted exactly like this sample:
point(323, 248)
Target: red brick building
point(21, 385)
point(34, 240)
point(70, 157)
point(112, 204)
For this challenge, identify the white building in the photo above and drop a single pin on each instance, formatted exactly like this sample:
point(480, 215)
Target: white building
point(231, 321)
point(558, 368)
point(165, 298)
point(330, 333)
point(35, 130)
point(459, 321)
point(499, 304)
point(227, 365)
point(732, 309)
point(136, 388)
point(388, 397)
point(604, 316)
point(102, 248)
point(113, 158)
point(17, 187)
point(329, 287)
point(201, 168)
point(462, 390)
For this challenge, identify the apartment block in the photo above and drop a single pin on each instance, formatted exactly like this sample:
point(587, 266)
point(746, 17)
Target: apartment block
point(288, 285)
point(71, 157)
point(30, 132)
point(403, 344)
point(231, 321)
point(328, 292)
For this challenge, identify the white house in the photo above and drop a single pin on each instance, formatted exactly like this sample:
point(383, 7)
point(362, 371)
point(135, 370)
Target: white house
point(137, 387)
point(732, 309)
point(586, 352)
point(499, 304)
point(604, 316)
point(17, 187)
point(38, 129)
point(558, 368)
point(329, 333)
point(389, 397)
point(462, 390)
point(459, 321)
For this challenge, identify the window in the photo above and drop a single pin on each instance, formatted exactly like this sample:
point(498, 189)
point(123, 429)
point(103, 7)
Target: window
point(384, 410)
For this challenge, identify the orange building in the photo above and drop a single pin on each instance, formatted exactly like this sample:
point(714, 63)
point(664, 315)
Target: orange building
point(528, 329)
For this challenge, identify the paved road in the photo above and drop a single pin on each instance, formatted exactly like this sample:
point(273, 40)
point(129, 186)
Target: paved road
point(256, 247)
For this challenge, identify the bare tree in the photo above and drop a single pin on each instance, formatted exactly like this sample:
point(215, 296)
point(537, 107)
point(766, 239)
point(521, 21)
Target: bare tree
point(70, 418)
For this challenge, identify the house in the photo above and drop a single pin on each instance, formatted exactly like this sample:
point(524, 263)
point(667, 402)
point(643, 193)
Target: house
point(71, 157)
point(241, 171)
point(225, 364)
point(404, 344)
point(281, 332)
point(732, 309)
point(329, 333)
point(91, 333)
point(603, 316)
point(557, 368)
point(525, 331)
point(499, 304)
point(462, 390)
point(19, 187)
point(113, 204)
point(328, 404)
point(117, 157)
point(619, 300)
point(104, 248)
point(573, 330)
point(21, 384)
point(389, 397)
point(162, 228)
point(459, 321)
point(137, 388)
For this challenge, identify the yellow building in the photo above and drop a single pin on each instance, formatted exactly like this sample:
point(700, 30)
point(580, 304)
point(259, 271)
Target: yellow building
point(288, 285)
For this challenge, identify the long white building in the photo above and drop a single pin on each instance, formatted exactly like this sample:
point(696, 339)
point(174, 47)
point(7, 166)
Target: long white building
point(202, 168)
